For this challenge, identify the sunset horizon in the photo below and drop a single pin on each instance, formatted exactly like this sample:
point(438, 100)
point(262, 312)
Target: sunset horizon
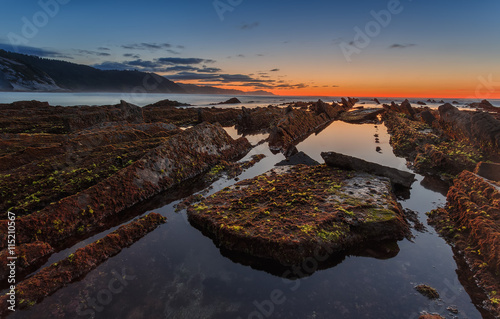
point(391, 48)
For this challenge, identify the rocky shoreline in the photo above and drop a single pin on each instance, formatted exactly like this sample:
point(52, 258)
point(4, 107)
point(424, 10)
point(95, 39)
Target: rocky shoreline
point(65, 172)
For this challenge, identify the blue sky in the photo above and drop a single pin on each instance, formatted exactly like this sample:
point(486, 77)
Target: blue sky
point(428, 46)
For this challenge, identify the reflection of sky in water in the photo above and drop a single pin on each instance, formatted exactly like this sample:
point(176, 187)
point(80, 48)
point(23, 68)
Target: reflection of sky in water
point(181, 274)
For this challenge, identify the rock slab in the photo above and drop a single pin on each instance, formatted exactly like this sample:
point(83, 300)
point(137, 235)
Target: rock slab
point(396, 176)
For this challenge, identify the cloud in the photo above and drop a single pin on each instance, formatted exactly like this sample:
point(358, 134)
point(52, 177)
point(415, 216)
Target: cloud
point(168, 64)
point(171, 60)
point(401, 46)
point(147, 46)
point(131, 55)
point(180, 68)
point(209, 70)
point(193, 76)
point(88, 52)
point(143, 64)
point(274, 70)
point(44, 53)
point(103, 49)
point(173, 52)
point(249, 26)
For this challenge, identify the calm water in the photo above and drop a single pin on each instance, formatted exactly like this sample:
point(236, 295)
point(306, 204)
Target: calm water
point(69, 99)
point(176, 272)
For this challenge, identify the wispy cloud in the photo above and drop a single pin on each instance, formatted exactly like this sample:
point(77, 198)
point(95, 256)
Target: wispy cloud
point(401, 46)
point(45, 53)
point(249, 26)
point(132, 55)
point(147, 46)
point(103, 49)
point(274, 70)
point(171, 60)
point(88, 52)
point(167, 64)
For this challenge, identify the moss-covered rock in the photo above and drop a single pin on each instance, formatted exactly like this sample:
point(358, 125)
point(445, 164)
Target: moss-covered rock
point(292, 213)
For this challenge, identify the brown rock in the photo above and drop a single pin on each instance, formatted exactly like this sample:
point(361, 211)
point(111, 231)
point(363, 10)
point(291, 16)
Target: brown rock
point(480, 128)
point(302, 211)
point(489, 171)
point(179, 158)
point(396, 176)
point(58, 275)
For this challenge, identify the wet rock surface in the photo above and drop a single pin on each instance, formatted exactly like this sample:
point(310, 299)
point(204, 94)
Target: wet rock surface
point(342, 161)
point(30, 255)
point(361, 116)
point(230, 101)
point(292, 213)
point(40, 117)
point(39, 169)
point(403, 108)
point(470, 221)
point(430, 149)
point(260, 118)
point(177, 159)
point(480, 128)
point(297, 124)
point(489, 171)
point(77, 265)
point(427, 291)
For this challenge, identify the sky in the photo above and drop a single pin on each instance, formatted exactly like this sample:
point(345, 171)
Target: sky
point(366, 48)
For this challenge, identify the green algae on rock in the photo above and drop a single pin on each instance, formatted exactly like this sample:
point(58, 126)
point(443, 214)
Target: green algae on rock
point(470, 223)
point(292, 213)
point(427, 291)
point(177, 159)
point(77, 265)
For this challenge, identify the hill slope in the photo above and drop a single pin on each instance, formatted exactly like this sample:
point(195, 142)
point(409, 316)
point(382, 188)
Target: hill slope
point(21, 72)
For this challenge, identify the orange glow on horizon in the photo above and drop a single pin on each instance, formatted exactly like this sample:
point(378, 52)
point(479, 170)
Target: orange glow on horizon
point(374, 92)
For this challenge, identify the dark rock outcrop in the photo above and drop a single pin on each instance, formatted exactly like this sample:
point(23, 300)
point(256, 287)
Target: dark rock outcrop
point(470, 221)
point(225, 117)
point(298, 124)
point(332, 111)
point(88, 116)
point(361, 116)
point(293, 126)
point(169, 103)
point(349, 103)
point(427, 117)
point(404, 108)
point(256, 119)
point(230, 101)
point(77, 265)
point(40, 117)
point(489, 171)
point(30, 256)
point(482, 129)
point(342, 161)
point(180, 157)
point(301, 211)
point(298, 158)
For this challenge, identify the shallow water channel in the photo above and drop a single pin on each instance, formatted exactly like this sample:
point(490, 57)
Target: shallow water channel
point(177, 272)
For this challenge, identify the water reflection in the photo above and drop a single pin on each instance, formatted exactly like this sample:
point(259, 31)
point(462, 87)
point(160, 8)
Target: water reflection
point(182, 274)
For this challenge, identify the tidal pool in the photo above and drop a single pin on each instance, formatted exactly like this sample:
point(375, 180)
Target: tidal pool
point(176, 272)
